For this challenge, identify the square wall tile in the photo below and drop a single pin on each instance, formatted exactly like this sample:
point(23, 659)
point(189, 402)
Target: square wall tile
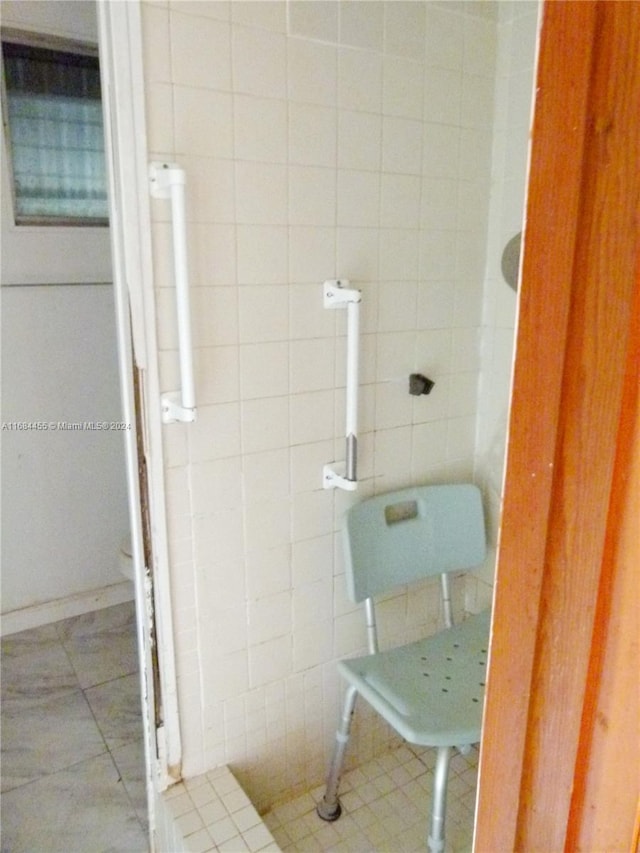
point(317, 20)
point(357, 252)
point(438, 255)
point(259, 62)
point(268, 571)
point(429, 446)
point(220, 533)
point(443, 96)
point(267, 525)
point(213, 254)
point(312, 560)
point(306, 464)
point(215, 316)
point(265, 424)
point(203, 121)
point(461, 437)
point(359, 140)
point(400, 201)
point(312, 135)
point(444, 44)
point(358, 198)
point(308, 316)
point(261, 193)
point(360, 77)
point(311, 365)
point(209, 190)
point(312, 252)
point(270, 661)
point(263, 313)
point(401, 145)
point(216, 485)
point(404, 28)
point(262, 254)
point(266, 475)
point(403, 82)
point(257, 13)
point(399, 253)
point(207, 39)
point(393, 458)
point(435, 304)
point(313, 646)
point(217, 374)
point(463, 398)
point(394, 405)
point(311, 514)
point(264, 369)
point(227, 630)
point(398, 306)
point(434, 351)
point(216, 432)
point(312, 196)
point(439, 204)
point(440, 150)
point(311, 417)
point(361, 24)
point(395, 352)
point(260, 128)
point(312, 72)
point(269, 618)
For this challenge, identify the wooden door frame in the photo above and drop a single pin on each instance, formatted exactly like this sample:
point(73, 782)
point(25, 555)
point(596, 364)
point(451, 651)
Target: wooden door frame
point(569, 400)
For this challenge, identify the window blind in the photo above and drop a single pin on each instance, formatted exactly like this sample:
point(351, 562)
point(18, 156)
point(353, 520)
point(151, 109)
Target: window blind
point(56, 134)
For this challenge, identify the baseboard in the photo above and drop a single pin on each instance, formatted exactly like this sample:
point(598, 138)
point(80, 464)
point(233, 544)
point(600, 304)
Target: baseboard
point(63, 608)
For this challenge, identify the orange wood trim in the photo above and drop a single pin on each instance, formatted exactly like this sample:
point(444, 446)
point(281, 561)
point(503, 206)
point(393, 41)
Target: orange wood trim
point(578, 276)
point(564, 64)
point(604, 799)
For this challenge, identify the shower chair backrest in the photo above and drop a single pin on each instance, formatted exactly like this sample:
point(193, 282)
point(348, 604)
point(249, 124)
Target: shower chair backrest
point(403, 536)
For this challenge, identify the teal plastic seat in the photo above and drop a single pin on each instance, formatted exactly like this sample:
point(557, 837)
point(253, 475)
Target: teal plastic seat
point(430, 691)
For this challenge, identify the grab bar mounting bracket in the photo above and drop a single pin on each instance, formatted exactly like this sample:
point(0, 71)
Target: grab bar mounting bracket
point(337, 293)
point(173, 410)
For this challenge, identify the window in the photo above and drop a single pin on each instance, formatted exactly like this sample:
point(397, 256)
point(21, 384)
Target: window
point(53, 119)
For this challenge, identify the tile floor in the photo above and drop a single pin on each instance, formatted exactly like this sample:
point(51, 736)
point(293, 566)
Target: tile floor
point(386, 804)
point(212, 814)
point(73, 766)
point(72, 752)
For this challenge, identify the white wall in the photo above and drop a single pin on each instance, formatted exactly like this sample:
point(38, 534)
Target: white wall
point(319, 140)
point(63, 492)
point(517, 34)
point(64, 509)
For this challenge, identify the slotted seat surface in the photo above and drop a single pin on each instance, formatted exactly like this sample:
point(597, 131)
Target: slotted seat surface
point(431, 691)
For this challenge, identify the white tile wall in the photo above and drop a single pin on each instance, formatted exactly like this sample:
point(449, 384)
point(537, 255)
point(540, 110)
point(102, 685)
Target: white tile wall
point(319, 140)
point(514, 82)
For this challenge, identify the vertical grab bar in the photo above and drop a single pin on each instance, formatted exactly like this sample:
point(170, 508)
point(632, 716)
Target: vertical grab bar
point(167, 180)
point(351, 426)
point(338, 294)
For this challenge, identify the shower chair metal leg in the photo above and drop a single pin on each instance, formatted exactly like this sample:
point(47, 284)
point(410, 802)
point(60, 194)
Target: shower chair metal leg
point(329, 806)
point(435, 841)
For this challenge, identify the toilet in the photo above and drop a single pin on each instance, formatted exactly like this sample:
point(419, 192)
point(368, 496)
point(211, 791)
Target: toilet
point(125, 558)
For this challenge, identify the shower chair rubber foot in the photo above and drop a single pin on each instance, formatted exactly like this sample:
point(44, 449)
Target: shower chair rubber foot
point(329, 812)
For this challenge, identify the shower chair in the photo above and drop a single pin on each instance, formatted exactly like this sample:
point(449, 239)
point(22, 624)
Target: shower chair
point(431, 691)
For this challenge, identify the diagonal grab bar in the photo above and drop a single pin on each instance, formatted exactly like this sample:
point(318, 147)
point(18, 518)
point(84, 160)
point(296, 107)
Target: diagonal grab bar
point(167, 180)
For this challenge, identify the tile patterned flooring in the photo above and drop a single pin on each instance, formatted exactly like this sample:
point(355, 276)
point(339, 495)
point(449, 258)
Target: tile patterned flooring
point(72, 752)
point(386, 806)
point(73, 764)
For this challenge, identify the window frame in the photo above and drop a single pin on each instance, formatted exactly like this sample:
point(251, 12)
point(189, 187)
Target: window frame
point(43, 41)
